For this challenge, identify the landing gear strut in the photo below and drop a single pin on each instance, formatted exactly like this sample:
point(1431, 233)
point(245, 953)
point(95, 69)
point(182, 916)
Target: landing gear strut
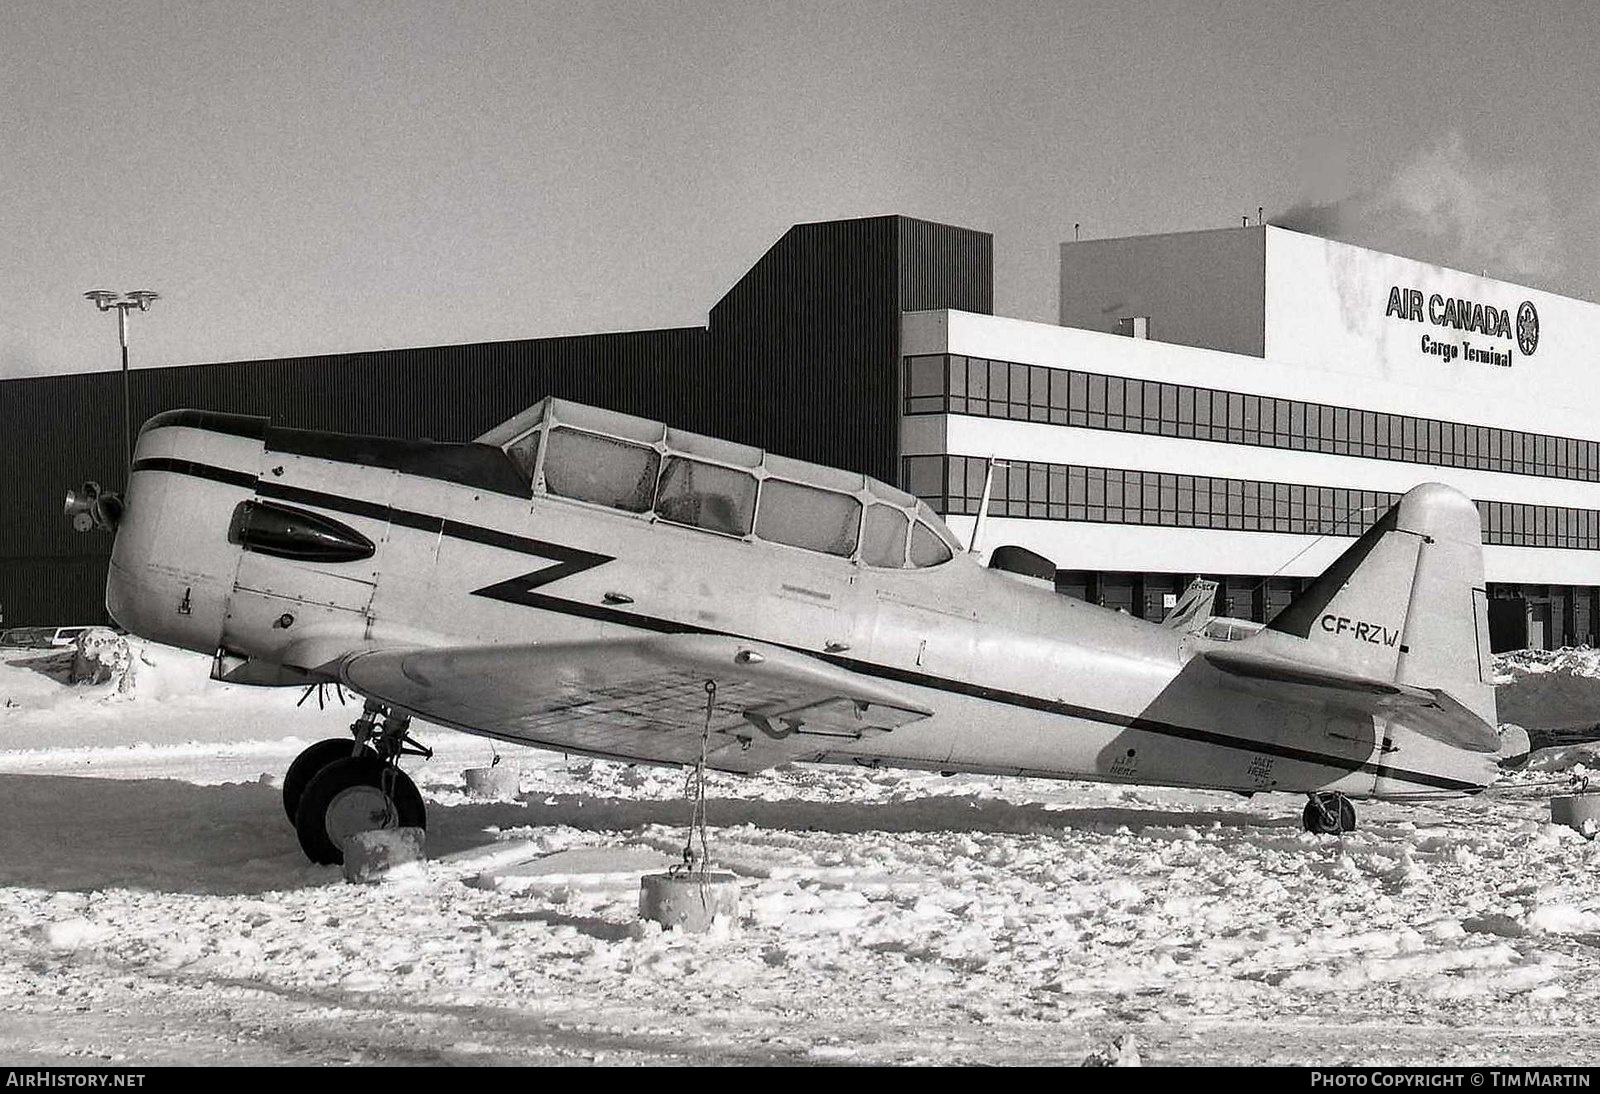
point(339, 787)
point(1329, 814)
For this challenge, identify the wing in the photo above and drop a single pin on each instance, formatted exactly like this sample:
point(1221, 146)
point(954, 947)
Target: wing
point(1429, 711)
point(640, 698)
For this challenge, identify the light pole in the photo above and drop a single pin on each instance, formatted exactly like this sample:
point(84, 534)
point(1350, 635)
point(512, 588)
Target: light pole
point(106, 300)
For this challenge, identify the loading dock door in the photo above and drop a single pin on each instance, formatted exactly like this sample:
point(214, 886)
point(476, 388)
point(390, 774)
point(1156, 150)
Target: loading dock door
point(1508, 624)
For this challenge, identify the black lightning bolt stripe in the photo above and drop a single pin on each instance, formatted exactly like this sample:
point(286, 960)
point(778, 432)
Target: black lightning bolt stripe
point(1135, 721)
point(517, 590)
point(570, 560)
point(372, 510)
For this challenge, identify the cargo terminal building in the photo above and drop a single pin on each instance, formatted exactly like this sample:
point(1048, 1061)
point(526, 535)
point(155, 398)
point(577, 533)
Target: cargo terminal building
point(1237, 403)
point(1241, 402)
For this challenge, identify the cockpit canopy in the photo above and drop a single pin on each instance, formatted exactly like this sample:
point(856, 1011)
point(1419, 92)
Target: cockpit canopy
point(633, 465)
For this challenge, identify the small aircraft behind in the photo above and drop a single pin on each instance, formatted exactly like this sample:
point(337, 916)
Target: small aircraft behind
point(595, 583)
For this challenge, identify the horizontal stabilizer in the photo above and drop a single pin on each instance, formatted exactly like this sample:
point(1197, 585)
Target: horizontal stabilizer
point(1457, 724)
point(1428, 711)
point(1257, 667)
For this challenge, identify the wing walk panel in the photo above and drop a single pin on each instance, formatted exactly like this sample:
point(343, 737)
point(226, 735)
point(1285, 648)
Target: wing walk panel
point(642, 699)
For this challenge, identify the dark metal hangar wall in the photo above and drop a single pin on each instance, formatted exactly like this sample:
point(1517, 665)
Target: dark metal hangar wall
point(801, 356)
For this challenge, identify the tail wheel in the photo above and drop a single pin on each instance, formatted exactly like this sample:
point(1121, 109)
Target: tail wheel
point(350, 795)
point(308, 765)
point(1329, 814)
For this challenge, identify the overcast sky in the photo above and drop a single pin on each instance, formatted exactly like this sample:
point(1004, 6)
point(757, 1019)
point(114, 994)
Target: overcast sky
point(302, 178)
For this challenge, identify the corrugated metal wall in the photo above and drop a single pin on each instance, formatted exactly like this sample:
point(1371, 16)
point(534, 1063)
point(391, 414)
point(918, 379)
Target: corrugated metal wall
point(945, 267)
point(803, 346)
point(57, 431)
point(806, 347)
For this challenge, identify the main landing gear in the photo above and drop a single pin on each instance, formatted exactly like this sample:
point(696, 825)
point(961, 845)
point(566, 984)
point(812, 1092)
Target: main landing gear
point(1329, 814)
point(339, 787)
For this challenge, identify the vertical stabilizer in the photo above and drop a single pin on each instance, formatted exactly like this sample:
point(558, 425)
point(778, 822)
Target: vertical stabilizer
point(1406, 602)
point(1446, 644)
point(1194, 608)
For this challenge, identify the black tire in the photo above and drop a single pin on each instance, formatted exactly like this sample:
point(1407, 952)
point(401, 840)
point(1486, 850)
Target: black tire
point(307, 765)
point(1329, 814)
point(349, 796)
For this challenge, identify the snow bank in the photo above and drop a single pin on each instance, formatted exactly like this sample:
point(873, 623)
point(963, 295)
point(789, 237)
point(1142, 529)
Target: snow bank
point(1569, 660)
point(151, 890)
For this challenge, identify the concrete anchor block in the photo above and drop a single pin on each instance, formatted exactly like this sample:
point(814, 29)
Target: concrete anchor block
point(498, 783)
point(101, 655)
point(689, 902)
point(1121, 1051)
point(370, 856)
point(1580, 811)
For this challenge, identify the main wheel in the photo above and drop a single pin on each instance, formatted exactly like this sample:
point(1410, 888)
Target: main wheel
point(1329, 814)
point(306, 767)
point(355, 794)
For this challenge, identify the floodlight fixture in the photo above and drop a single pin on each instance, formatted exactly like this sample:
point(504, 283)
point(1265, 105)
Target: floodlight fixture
point(122, 303)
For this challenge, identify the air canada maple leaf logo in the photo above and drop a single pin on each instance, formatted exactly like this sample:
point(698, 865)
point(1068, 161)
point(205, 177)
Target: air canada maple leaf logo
point(1527, 328)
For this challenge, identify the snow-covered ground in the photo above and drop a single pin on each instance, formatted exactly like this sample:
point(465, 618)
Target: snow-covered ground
point(155, 908)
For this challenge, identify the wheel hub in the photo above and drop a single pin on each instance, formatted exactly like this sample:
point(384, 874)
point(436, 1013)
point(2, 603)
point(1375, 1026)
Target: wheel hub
point(357, 809)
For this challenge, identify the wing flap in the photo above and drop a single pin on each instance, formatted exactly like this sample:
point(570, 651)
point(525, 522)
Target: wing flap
point(640, 699)
point(836, 717)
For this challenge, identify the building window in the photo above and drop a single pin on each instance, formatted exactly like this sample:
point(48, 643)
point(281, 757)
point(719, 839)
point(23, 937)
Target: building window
point(926, 385)
point(998, 389)
point(1045, 491)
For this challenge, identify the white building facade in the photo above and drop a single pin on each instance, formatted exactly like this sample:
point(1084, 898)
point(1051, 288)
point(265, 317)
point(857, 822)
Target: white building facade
point(1241, 403)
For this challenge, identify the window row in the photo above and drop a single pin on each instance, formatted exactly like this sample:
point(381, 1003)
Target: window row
point(954, 384)
point(1047, 491)
point(637, 478)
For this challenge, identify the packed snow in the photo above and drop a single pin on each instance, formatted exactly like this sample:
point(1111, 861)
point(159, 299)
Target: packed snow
point(157, 908)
